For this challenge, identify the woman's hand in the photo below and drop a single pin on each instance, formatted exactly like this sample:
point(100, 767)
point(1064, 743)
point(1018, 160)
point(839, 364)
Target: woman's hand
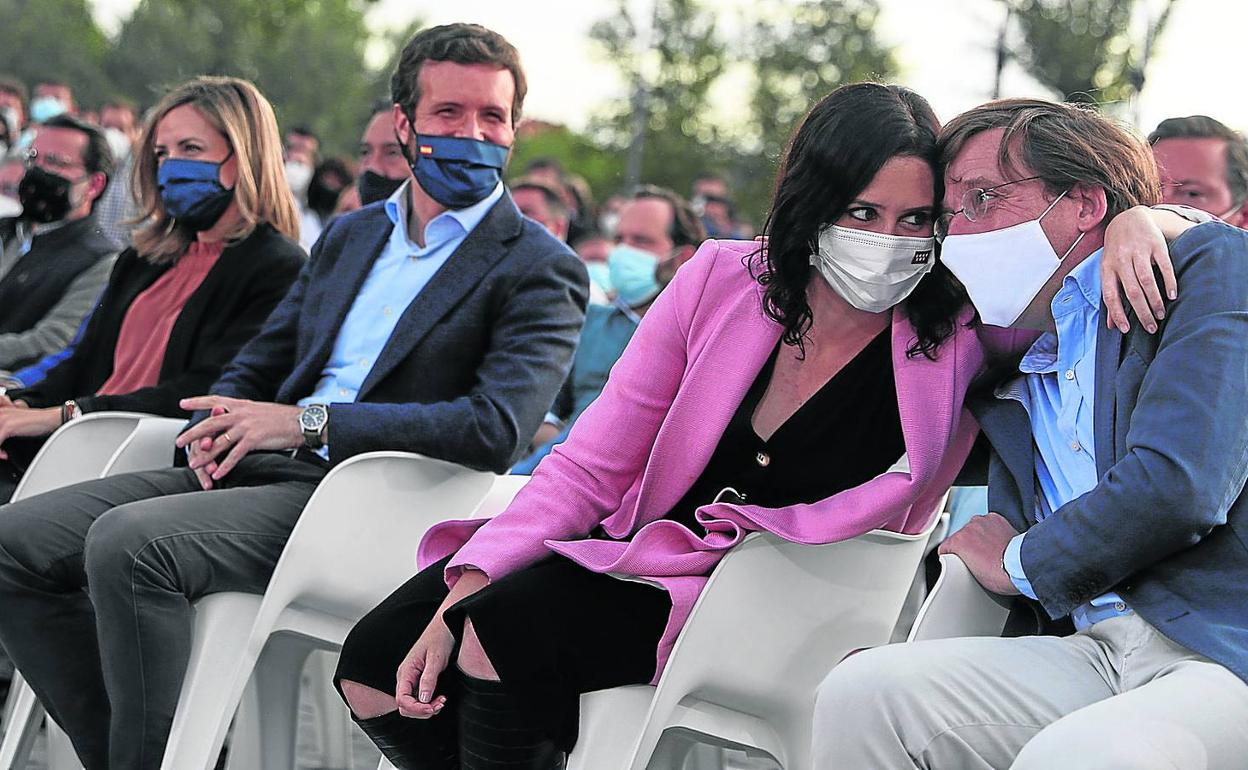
point(416, 689)
point(418, 673)
point(1135, 240)
point(27, 422)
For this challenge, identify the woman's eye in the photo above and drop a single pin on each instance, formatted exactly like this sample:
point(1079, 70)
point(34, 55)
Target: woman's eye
point(917, 219)
point(862, 214)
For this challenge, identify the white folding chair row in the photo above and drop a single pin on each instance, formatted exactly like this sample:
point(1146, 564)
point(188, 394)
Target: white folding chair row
point(352, 547)
point(773, 619)
point(91, 447)
point(958, 605)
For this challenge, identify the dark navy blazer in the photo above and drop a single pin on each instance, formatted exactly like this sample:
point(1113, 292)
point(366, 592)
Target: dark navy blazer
point(1165, 526)
point(475, 361)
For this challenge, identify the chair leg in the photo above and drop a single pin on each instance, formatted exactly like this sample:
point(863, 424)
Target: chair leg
point(220, 663)
point(23, 716)
point(333, 718)
point(278, 676)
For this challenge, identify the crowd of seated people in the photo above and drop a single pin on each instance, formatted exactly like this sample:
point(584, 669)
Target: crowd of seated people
point(1029, 294)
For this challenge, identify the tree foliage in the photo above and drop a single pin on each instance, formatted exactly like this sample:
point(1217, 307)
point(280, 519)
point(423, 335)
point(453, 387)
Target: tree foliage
point(54, 39)
point(1083, 49)
point(799, 51)
point(307, 56)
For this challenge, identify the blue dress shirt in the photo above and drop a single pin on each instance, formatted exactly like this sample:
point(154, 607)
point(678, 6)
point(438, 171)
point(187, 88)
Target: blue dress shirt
point(1059, 383)
point(401, 272)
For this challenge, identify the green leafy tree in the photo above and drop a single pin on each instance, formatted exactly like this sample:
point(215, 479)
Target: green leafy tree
point(802, 52)
point(53, 39)
point(674, 75)
point(1083, 49)
point(307, 56)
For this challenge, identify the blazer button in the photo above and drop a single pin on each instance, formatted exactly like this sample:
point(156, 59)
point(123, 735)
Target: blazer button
point(763, 459)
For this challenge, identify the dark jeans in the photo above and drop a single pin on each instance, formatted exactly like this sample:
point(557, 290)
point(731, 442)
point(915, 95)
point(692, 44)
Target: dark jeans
point(96, 585)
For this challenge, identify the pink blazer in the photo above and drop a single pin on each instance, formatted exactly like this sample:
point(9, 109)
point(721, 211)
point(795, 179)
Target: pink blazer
point(640, 446)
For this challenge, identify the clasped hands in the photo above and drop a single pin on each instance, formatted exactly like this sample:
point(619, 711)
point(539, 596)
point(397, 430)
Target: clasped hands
point(235, 427)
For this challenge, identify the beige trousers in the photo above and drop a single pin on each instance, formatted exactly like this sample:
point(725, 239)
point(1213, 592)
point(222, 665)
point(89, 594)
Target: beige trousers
point(1117, 695)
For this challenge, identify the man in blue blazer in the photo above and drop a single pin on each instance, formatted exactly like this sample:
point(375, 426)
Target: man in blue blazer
point(1117, 484)
point(439, 321)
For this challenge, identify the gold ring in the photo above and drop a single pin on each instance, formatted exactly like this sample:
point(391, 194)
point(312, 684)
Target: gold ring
point(227, 437)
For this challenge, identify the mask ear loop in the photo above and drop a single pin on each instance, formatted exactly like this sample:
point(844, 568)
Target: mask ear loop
point(1080, 238)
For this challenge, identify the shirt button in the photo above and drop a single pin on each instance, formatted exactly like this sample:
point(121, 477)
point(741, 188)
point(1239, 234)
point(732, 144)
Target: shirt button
point(1070, 374)
point(364, 363)
point(1074, 445)
point(763, 459)
point(387, 310)
point(342, 391)
point(1120, 606)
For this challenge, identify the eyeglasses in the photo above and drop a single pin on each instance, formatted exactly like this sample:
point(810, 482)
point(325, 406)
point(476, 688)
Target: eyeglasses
point(975, 205)
point(57, 164)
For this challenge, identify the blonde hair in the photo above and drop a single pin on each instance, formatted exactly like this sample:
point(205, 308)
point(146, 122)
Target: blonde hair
point(238, 110)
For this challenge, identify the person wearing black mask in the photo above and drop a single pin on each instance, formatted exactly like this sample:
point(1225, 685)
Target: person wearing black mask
point(382, 165)
point(441, 322)
point(55, 259)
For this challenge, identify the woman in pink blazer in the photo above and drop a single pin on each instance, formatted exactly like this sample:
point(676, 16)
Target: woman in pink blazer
point(788, 389)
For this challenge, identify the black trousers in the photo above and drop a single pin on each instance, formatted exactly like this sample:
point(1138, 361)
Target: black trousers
point(553, 631)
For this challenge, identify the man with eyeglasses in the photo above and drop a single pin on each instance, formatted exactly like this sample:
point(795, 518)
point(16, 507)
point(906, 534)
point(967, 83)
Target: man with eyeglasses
point(1117, 482)
point(54, 260)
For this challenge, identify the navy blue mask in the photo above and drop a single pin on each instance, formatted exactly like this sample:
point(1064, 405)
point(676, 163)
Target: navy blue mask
point(455, 171)
point(192, 193)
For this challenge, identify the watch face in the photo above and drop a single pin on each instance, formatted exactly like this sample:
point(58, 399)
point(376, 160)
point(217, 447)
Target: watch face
point(313, 417)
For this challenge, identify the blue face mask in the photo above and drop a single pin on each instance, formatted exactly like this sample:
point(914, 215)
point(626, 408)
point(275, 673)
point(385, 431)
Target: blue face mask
point(192, 193)
point(600, 274)
point(633, 274)
point(455, 171)
point(44, 108)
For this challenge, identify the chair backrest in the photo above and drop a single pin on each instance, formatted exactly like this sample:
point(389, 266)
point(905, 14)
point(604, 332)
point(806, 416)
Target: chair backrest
point(352, 546)
point(501, 494)
point(80, 450)
point(148, 447)
point(957, 605)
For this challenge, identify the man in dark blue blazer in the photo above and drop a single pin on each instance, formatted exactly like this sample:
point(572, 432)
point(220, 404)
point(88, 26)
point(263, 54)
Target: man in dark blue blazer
point(439, 321)
point(1117, 482)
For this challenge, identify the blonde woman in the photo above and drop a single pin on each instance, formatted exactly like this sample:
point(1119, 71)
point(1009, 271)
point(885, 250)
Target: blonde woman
point(216, 250)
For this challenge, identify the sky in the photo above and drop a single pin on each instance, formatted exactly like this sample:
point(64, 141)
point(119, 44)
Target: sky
point(944, 48)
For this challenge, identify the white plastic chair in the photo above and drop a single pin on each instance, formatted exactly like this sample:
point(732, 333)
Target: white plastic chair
point(352, 547)
point(773, 619)
point(93, 446)
point(959, 606)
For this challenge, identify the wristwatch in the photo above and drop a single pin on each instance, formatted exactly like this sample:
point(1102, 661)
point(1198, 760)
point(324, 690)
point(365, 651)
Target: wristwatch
point(313, 420)
point(69, 411)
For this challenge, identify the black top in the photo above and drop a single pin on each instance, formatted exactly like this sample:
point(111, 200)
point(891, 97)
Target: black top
point(227, 309)
point(847, 433)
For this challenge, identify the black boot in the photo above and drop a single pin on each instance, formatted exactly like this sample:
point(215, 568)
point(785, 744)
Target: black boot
point(414, 744)
point(500, 729)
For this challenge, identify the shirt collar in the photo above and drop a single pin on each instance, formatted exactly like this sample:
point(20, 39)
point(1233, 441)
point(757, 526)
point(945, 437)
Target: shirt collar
point(466, 219)
point(1083, 281)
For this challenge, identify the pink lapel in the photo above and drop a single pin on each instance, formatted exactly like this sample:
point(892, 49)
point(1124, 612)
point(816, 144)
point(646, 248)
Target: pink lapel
point(737, 344)
point(930, 393)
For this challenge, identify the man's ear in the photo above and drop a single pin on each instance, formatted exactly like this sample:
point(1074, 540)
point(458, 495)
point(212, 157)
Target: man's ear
point(1093, 206)
point(402, 126)
point(96, 185)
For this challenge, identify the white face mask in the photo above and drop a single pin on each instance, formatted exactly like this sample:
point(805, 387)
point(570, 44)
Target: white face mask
point(299, 176)
point(118, 142)
point(872, 271)
point(1004, 269)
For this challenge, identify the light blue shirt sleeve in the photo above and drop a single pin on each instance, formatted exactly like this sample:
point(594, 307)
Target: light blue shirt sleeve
point(1013, 563)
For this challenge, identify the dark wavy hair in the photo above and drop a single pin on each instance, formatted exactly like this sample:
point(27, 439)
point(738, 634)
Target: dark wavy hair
point(837, 150)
